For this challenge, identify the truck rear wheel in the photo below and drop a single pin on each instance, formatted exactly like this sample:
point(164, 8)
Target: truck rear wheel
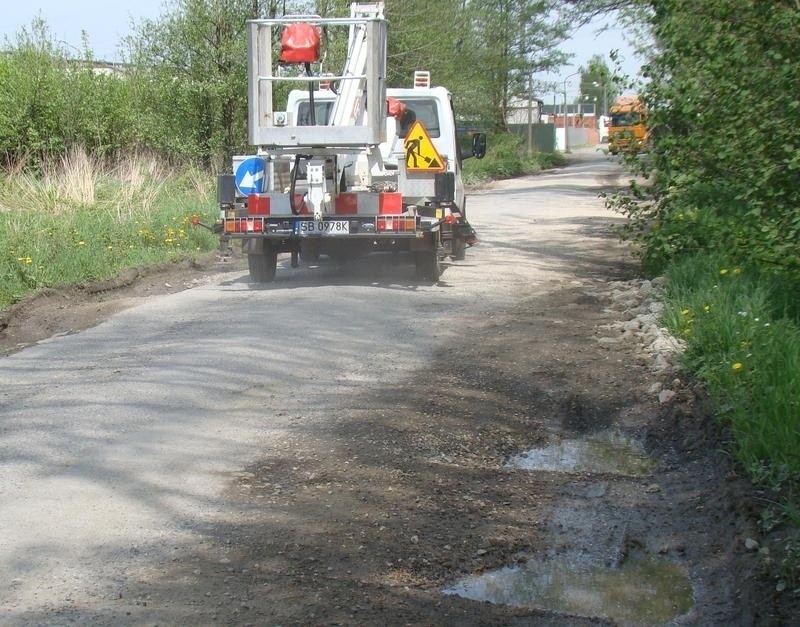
point(262, 266)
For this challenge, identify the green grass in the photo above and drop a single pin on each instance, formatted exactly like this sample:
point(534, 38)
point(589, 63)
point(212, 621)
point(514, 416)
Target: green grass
point(747, 350)
point(80, 220)
point(743, 341)
point(506, 156)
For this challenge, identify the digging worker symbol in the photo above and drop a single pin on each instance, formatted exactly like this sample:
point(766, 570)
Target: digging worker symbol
point(413, 152)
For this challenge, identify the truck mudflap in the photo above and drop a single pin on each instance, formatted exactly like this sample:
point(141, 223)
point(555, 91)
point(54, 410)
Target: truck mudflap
point(467, 232)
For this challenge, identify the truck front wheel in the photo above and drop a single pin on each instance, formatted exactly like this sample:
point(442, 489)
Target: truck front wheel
point(262, 266)
point(428, 267)
point(459, 247)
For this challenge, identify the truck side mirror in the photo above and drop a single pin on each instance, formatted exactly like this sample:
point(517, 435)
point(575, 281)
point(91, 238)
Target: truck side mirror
point(479, 145)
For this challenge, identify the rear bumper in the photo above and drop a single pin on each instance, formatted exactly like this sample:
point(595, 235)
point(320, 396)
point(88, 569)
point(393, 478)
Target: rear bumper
point(357, 227)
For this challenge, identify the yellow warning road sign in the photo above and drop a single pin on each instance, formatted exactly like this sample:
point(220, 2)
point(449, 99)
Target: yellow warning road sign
point(421, 154)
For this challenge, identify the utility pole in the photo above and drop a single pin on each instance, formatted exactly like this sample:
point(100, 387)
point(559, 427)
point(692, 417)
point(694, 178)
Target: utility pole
point(530, 116)
point(604, 85)
point(566, 130)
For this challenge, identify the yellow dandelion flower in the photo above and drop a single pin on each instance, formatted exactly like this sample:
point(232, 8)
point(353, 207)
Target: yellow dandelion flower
point(737, 366)
point(723, 272)
point(737, 271)
point(81, 243)
point(686, 312)
point(707, 308)
point(109, 247)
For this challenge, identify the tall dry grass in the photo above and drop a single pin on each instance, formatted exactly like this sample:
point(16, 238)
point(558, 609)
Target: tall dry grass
point(75, 176)
point(127, 185)
point(140, 178)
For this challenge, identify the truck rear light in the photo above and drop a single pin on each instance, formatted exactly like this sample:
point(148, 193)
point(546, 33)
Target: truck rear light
point(244, 225)
point(400, 224)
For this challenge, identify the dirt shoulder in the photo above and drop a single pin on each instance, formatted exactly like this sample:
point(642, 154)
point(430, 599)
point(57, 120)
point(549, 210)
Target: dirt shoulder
point(51, 312)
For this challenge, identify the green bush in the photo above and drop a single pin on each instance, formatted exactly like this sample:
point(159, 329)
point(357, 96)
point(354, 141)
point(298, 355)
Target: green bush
point(723, 109)
point(506, 156)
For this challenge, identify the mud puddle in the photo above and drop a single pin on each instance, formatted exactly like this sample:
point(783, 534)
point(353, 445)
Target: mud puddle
point(606, 452)
point(602, 574)
point(641, 591)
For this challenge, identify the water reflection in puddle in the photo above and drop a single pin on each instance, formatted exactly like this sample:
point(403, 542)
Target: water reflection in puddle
point(643, 591)
point(606, 452)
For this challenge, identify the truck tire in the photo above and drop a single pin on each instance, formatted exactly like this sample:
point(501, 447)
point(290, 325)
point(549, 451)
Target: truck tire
point(262, 266)
point(428, 267)
point(459, 247)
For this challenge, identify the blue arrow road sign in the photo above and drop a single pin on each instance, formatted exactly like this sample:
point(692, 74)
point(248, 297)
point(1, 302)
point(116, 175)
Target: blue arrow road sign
point(251, 176)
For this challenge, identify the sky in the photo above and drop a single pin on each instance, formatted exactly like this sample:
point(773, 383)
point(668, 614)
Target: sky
point(107, 22)
point(599, 37)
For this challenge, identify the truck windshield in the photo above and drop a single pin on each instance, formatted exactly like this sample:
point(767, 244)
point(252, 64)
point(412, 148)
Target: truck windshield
point(424, 110)
point(630, 118)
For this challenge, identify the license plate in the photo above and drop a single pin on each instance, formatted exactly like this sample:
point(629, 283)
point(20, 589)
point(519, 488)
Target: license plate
point(326, 227)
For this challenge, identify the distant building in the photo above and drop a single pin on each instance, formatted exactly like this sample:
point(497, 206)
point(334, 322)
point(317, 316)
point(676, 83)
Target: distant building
point(521, 110)
point(106, 68)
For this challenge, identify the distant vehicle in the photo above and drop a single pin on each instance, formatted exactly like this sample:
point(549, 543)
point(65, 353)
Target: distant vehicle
point(627, 130)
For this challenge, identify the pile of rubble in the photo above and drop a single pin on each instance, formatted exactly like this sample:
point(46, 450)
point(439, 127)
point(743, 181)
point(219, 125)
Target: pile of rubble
point(638, 307)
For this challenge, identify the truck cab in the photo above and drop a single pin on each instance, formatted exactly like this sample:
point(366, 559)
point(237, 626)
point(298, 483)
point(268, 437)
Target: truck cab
point(433, 106)
point(627, 131)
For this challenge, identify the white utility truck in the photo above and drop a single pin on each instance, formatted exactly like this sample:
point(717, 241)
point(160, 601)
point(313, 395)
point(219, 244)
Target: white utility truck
point(348, 166)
